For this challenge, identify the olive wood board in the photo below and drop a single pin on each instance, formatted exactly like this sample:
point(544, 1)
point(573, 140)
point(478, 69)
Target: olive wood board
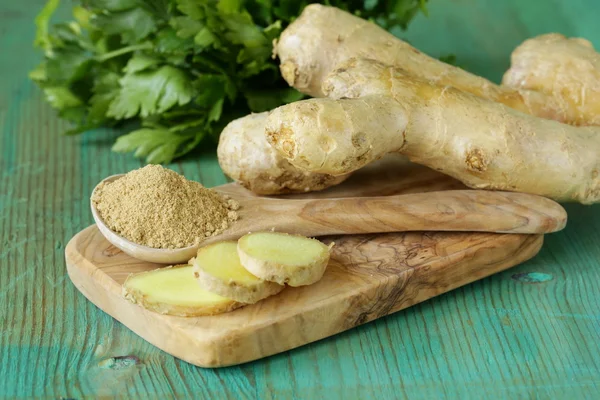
point(368, 277)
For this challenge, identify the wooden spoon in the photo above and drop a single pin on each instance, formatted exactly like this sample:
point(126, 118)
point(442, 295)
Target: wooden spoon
point(450, 210)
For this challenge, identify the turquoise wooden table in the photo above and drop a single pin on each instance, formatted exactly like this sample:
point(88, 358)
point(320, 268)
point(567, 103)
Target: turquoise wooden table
point(530, 332)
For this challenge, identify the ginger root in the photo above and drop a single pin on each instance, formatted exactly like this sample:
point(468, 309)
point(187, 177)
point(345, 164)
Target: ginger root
point(174, 291)
point(484, 144)
point(324, 37)
point(218, 269)
point(282, 258)
point(246, 157)
point(565, 69)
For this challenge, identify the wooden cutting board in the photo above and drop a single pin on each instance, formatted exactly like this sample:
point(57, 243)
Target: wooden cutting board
point(369, 276)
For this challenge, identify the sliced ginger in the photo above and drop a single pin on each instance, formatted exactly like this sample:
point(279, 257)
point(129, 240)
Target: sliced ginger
point(174, 291)
point(218, 269)
point(282, 258)
point(228, 275)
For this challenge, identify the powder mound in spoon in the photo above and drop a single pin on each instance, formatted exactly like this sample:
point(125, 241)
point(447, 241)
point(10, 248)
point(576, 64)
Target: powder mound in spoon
point(156, 207)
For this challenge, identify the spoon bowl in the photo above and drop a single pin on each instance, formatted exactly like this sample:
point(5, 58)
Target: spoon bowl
point(448, 210)
point(145, 253)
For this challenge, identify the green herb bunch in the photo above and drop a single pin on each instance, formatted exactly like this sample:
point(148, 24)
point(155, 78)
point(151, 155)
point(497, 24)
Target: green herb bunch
point(179, 69)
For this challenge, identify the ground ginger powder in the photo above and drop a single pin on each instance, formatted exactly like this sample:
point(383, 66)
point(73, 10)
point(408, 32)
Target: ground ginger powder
point(156, 207)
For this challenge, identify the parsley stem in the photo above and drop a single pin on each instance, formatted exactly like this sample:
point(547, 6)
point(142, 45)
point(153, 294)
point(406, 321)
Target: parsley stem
point(124, 50)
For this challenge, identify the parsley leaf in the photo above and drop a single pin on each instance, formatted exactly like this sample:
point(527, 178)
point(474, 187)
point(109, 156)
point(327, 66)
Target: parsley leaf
point(106, 88)
point(42, 37)
point(211, 88)
point(133, 25)
point(113, 5)
point(150, 92)
point(62, 98)
point(158, 144)
point(191, 8)
point(140, 62)
point(186, 27)
point(67, 65)
point(161, 144)
point(167, 41)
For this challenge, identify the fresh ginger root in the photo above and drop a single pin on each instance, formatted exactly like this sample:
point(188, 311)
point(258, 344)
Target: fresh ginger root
point(174, 291)
point(282, 258)
point(562, 68)
point(246, 157)
point(323, 37)
point(218, 270)
point(484, 144)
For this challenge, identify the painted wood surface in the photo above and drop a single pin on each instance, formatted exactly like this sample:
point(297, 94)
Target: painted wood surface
point(368, 277)
point(530, 332)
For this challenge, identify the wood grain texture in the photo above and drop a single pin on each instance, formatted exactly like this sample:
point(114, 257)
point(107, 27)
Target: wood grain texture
point(455, 210)
point(385, 211)
point(368, 277)
point(530, 332)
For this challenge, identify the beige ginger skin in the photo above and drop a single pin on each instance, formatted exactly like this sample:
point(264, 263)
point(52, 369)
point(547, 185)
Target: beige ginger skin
point(563, 68)
point(246, 157)
point(484, 144)
point(323, 37)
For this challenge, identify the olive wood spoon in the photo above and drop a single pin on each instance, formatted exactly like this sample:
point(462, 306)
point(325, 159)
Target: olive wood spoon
point(449, 210)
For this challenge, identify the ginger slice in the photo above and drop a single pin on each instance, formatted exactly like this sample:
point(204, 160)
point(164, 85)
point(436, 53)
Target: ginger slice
point(283, 258)
point(174, 291)
point(218, 269)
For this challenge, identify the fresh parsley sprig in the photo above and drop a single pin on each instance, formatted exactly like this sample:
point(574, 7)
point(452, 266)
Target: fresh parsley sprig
point(181, 69)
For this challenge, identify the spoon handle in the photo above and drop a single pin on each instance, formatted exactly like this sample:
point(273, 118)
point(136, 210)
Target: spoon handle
point(452, 210)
